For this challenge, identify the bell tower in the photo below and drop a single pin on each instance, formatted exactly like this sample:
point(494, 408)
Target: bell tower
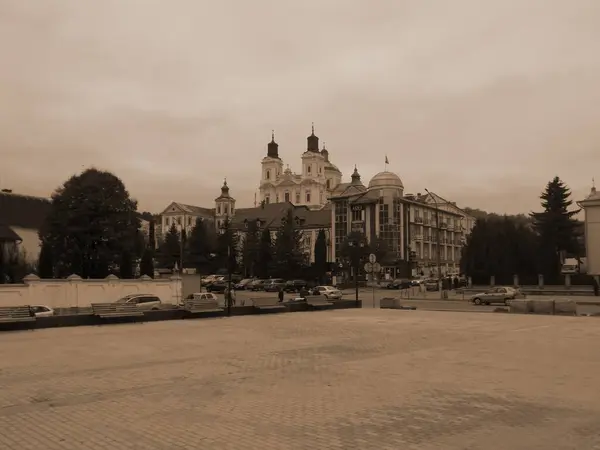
point(224, 206)
point(272, 170)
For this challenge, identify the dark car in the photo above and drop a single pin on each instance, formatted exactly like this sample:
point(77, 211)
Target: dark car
point(217, 286)
point(295, 285)
point(274, 284)
point(243, 284)
point(400, 283)
point(256, 285)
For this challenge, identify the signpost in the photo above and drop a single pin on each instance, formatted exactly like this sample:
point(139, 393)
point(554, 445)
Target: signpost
point(373, 267)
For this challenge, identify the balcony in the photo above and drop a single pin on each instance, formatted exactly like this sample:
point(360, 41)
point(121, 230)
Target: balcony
point(427, 238)
point(418, 220)
point(417, 237)
point(450, 227)
point(426, 221)
point(443, 225)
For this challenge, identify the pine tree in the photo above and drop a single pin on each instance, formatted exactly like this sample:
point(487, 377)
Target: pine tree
point(170, 250)
point(556, 228)
point(152, 235)
point(45, 267)
point(227, 247)
point(126, 266)
point(250, 248)
point(198, 246)
point(289, 258)
point(265, 255)
point(321, 254)
point(147, 262)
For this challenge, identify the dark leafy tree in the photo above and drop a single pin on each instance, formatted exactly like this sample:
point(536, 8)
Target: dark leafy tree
point(250, 248)
point(170, 249)
point(227, 247)
point(265, 255)
point(557, 229)
point(126, 265)
point(13, 264)
point(139, 244)
point(321, 255)
point(152, 235)
point(91, 222)
point(289, 257)
point(199, 247)
point(45, 267)
point(355, 245)
point(147, 263)
point(381, 250)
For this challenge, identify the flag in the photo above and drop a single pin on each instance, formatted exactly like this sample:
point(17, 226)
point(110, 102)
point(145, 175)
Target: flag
point(386, 160)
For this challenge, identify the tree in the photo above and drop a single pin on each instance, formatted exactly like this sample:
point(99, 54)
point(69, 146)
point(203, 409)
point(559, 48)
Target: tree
point(92, 221)
point(251, 248)
point(152, 235)
point(147, 263)
point(227, 245)
point(381, 250)
point(198, 246)
point(265, 254)
point(355, 245)
point(13, 264)
point(126, 265)
point(321, 254)
point(288, 255)
point(45, 266)
point(558, 231)
point(170, 249)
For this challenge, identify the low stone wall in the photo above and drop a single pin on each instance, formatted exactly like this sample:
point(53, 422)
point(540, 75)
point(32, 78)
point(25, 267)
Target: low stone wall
point(543, 306)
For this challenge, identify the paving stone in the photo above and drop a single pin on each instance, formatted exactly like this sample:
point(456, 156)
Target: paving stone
point(345, 379)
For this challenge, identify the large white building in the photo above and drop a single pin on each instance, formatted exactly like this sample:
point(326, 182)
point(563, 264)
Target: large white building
point(312, 187)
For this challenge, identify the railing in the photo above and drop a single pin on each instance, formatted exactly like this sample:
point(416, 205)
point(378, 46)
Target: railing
point(417, 237)
point(443, 225)
point(418, 220)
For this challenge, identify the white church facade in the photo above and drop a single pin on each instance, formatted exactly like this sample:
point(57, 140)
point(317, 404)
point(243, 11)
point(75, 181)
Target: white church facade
point(312, 187)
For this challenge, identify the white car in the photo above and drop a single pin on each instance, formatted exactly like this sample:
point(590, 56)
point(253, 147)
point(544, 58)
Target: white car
point(41, 310)
point(145, 302)
point(498, 294)
point(329, 292)
point(203, 296)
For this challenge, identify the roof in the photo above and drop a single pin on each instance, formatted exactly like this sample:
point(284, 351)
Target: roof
point(386, 179)
point(191, 209)
point(23, 211)
point(270, 215)
point(7, 234)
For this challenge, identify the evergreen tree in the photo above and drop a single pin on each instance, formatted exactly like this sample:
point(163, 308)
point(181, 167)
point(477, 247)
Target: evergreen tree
point(321, 255)
point(198, 246)
point(558, 231)
point(265, 255)
point(289, 257)
point(170, 250)
point(184, 247)
point(126, 266)
point(147, 262)
point(251, 248)
point(152, 235)
point(227, 246)
point(92, 221)
point(45, 267)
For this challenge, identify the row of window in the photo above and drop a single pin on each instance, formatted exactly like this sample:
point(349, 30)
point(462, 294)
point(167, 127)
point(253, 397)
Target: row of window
point(176, 220)
point(225, 209)
point(287, 198)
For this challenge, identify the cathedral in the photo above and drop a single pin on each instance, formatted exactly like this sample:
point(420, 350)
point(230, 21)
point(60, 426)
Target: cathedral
point(311, 188)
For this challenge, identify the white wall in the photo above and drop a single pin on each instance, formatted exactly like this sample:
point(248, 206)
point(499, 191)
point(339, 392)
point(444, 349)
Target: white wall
point(592, 237)
point(77, 292)
point(31, 242)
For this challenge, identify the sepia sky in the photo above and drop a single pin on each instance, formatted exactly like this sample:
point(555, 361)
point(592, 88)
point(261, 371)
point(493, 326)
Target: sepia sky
point(481, 101)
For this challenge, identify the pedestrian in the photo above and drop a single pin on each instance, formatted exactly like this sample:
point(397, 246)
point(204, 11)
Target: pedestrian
point(280, 295)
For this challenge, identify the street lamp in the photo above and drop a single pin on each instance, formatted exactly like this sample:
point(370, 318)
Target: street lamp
point(438, 254)
point(356, 246)
point(225, 230)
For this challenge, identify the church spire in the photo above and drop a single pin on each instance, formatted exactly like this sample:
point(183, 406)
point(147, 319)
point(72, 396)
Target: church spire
point(356, 176)
point(273, 147)
point(312, 142)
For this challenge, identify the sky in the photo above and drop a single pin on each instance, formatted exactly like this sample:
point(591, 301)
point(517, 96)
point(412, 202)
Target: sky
point(482, 102)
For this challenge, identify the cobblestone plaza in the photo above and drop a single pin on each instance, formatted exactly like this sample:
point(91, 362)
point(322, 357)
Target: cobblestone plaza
point(346, 379)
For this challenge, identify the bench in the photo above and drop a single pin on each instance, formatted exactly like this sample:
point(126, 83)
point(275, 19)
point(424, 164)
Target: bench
point(394, 303)
point(13, 314)
point(199, 306)
point(115, 310)
point(317, 300)
point(585, 311)
point(267, 303)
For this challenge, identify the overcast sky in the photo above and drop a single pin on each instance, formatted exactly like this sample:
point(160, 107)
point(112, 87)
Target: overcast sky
point(481, 101)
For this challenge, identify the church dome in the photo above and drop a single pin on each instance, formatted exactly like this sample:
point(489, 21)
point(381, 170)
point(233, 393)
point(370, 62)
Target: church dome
point(386, 180)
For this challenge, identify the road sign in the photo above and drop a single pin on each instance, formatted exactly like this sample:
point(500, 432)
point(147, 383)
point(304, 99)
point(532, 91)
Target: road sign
point(372, 267)
point(369, 267)
point(376, 267)
point(372, 258)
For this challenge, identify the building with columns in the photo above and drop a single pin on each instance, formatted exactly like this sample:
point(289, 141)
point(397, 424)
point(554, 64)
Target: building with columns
point(418, 230)
point(591, 208)
point(312, 187)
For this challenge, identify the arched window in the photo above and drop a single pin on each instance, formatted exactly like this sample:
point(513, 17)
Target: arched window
point(287, 196)
point(268, 174)
point(328, 184)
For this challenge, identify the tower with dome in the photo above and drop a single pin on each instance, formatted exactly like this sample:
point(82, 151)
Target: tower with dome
point(312, 187)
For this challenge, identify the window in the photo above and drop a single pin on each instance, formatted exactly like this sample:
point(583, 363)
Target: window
point(287, 196)
point(321, 197)
point(219, 208)
point(268, 174)
point(179, 221)
point(277, 198)
point(308, 169)
point(189, 220)
point(167, 221)
point(319, 169)
point(356, 215)
point(225, 209)
point(328, 184)
point(267, 199)
point(297, 198)
point(308, 197)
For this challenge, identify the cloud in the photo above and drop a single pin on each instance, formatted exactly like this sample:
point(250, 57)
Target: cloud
point(475, 100)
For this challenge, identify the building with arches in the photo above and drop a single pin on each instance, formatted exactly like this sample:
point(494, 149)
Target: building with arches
point(418, 231)
point(312, 187)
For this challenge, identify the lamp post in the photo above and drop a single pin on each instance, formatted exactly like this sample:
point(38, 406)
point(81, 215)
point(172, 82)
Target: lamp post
point(438, 254)
point(225, 230)
point(357, 246)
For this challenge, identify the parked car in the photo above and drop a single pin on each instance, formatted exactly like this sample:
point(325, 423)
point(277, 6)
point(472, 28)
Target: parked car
point(499, 294)
point(243, 284)
point(217, 286)
point(208, 279)
point(274, 284)
point(399, 283)
point(295, 285)
point(257, 285)
point(144, 302)
point(417, 282)
point(202, 296)
point(329, 292)
point(41, 310)
point(431, 285)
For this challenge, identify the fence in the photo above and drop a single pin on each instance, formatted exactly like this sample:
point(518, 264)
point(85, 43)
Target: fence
point(75, 292)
